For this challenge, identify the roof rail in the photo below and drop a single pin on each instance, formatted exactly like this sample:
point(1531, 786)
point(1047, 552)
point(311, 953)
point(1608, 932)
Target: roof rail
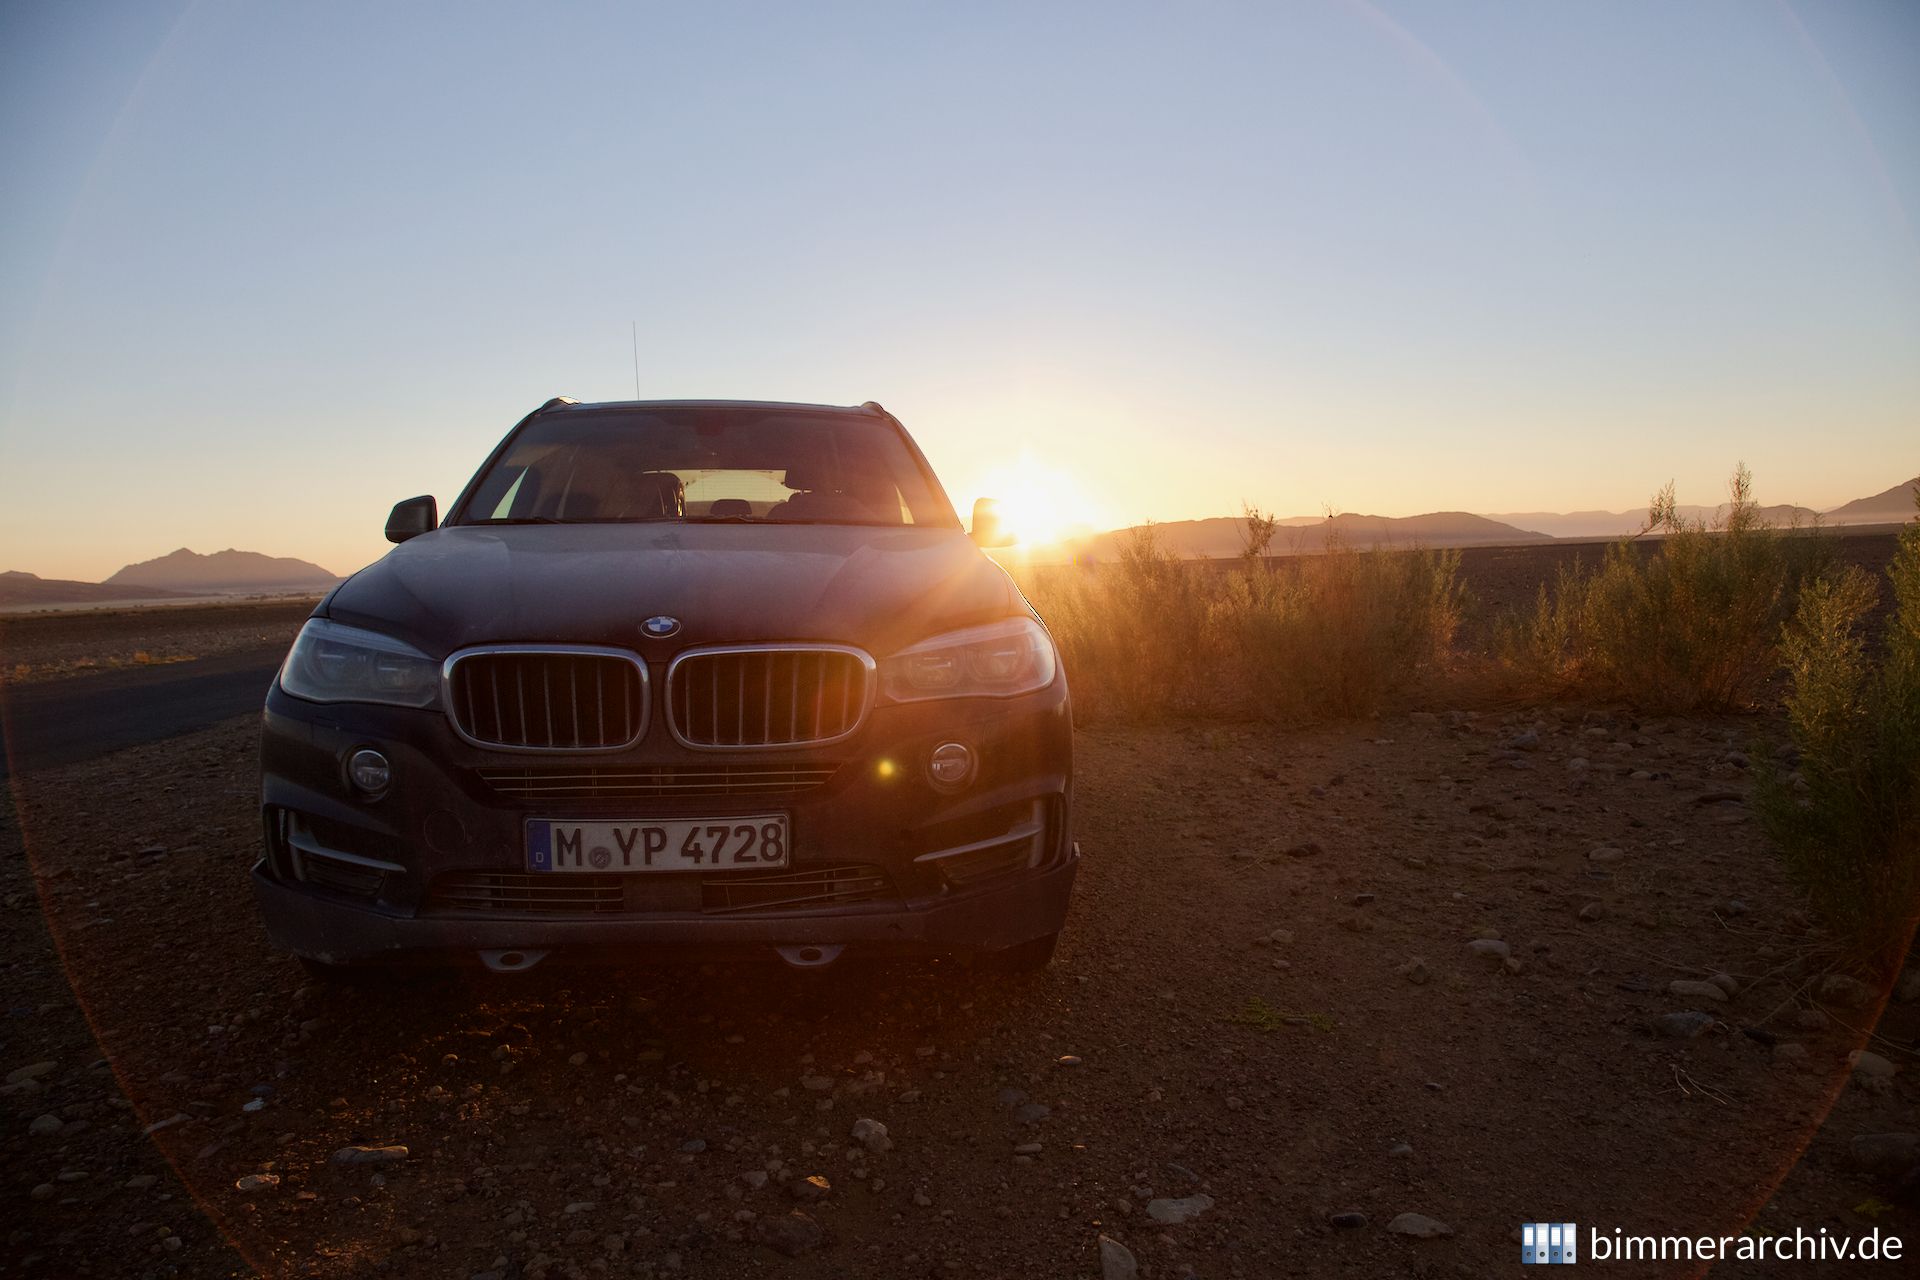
point(555, 403)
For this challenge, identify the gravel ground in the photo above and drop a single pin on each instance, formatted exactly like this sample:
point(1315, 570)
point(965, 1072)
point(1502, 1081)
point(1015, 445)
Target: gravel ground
point(1266, 1018)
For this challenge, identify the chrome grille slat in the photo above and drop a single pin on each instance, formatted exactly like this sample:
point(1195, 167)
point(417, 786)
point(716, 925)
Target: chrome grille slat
point(638, 781)
point(757, 696)
point(511, 892)
point(530, 680)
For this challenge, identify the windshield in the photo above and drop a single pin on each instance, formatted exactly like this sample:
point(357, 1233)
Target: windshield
point(701, 465)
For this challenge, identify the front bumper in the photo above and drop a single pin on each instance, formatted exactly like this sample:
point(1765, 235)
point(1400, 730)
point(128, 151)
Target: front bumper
point(386, 861)
point(339, 933)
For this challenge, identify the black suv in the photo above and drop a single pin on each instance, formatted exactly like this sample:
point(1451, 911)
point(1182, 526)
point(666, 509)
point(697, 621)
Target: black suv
point(693, 679)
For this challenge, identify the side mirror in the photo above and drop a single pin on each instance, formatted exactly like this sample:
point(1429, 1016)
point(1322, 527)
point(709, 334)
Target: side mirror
point(412, 518)
point(987, 529)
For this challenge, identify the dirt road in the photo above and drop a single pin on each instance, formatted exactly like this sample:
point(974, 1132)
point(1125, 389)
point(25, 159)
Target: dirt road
point(1265, 1018)
point(56, 722)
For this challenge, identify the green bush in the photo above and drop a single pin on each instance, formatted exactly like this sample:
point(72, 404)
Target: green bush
point(1848, 823)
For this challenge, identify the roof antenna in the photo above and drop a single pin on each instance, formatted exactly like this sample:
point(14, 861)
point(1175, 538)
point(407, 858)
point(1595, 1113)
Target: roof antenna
point(636, 359)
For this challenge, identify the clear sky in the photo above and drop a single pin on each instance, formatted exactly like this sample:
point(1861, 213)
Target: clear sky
point(266, 268)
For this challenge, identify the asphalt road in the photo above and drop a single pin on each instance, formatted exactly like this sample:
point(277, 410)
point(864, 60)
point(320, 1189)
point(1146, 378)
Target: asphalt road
point(62, 721)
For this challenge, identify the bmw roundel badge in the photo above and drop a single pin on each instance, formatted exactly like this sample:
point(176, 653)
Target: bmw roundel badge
point(661, 627)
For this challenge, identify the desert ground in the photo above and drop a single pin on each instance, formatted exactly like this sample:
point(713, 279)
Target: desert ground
point(1315, 980)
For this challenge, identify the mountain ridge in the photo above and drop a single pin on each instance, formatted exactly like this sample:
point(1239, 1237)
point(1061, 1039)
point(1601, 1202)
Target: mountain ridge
point(220, 571)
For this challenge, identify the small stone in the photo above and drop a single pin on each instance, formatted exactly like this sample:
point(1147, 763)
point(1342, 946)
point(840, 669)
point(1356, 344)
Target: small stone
point(1031, 1113)
point(1727, 983)
point(45, 1126)
point(791, 1234)
point(578, 1059)
point(1415, 971)
point(1892, 1154)
point(1347, 1221)
point(755, 1178)
point(1592, 911)
point(1526, 740)
point(1848, 993)
point(370, 1155)
point(1281, 937)
point(693, 1146)
point(810, 1189)
point(257, 1104)
point(1685, 990)
point(1401, 1151)
point(872, 1135)
point(1866, 1063)
point(1419, 1224)
point(257, 1182)
point(141, 1181)
point(1489, 949)
point(1605, 853)
point(581, 1206)
point(1117, 1261)
point(1069, 1060)
point(1684, 1025)
point(1029, 1149)
point(1173, 1212)
point(32, 1071)
point(43, 1191)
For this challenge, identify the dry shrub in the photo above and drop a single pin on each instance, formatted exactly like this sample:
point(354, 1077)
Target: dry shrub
point(1335, 634)
point(1848, 823)
point(1689, 625)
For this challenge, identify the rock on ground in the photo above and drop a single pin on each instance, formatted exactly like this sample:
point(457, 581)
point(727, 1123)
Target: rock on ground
point(791, 1234)
point(1116, 1260)
point(1173, 1212)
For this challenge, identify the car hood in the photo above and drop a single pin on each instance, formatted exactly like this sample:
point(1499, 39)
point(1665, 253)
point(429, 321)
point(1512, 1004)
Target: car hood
point(878, 588)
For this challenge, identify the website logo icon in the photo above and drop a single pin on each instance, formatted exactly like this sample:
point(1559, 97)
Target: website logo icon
point(1549, 1242)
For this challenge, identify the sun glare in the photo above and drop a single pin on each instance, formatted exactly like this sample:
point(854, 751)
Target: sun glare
point(1040, 504)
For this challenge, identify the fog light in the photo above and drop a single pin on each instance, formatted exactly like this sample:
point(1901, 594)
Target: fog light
point(950, 765)
point(369, 771)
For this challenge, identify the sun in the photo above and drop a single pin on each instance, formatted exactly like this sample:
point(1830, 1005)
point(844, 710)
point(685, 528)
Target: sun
point(1039, 504)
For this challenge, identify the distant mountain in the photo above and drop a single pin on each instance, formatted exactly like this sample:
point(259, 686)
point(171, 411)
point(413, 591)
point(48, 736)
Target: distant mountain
point(1221, 536)
point(30, 589)
point(1616, 524)
point(1895, 505)
point(224, 571)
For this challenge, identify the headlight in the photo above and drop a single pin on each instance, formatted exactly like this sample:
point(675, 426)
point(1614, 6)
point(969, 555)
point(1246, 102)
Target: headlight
point(332, 663)
point(998, 660)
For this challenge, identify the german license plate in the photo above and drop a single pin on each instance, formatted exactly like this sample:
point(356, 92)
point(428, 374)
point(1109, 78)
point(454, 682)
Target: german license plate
point(671, 844)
